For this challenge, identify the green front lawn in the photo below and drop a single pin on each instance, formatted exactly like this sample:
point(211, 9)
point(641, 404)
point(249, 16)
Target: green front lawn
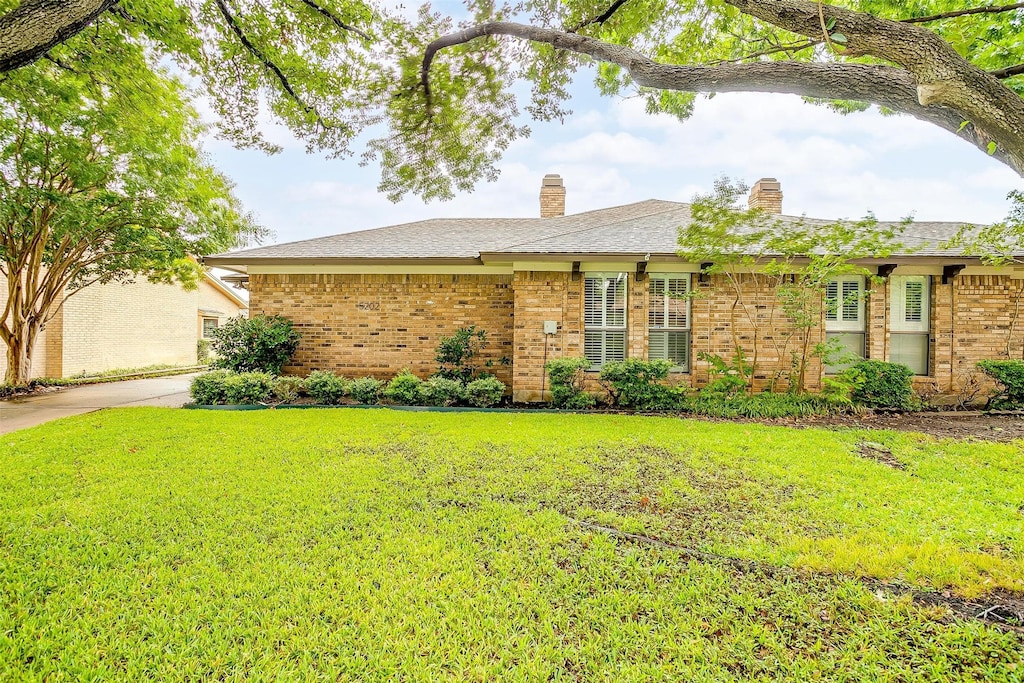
point(374, 545)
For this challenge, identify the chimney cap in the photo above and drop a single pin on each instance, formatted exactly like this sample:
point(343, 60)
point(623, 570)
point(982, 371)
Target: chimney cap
point(552, 180)
point(768, 184)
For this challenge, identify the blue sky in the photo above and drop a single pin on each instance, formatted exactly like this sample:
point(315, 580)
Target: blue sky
point(610, 152)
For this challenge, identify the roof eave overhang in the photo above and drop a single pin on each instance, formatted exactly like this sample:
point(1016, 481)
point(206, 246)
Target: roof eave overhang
point(240, 264)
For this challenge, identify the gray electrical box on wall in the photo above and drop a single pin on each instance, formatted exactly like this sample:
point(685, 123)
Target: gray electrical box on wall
point(550, 327)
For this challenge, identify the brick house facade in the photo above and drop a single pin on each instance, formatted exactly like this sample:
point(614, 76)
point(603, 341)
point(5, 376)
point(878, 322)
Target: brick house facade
point(378, 301)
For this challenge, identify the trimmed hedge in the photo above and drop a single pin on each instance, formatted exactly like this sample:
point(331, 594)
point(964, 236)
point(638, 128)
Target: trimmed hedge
point(484, 392)
point(404, 390)
point(258, 344)
point(441, 391)
point(325, 387)
point(635, 383)
point(365, 390)
point(880, 384)
point(1009, 375)
point(566, 378)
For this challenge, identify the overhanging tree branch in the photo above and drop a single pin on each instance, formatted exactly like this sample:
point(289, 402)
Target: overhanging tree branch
point(334, 18)
point(963, 13)
point(1008, 72)
point(265, 60)
point(887, 86)
point(600, 18)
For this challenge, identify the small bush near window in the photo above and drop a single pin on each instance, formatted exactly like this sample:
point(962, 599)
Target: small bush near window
point(565, 376)
point(404, 389)
point(1009, 374)
point(484, 392)
point(208, 388)
point(879, 384)
point(257, 344)
point(365, 390)
point(202, 350)
point(635, 383)
point(287, 389)
point(456, 355)
point(728, 378)
point(325, 387)
point(764, 405)
point(441, 391)
point(248, 388)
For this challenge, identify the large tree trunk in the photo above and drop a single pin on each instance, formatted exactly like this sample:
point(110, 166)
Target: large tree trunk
point(29, 30)
point(20, 350)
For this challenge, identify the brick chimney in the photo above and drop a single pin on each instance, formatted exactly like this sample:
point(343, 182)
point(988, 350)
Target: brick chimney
point(766, 194)
point(552, 196)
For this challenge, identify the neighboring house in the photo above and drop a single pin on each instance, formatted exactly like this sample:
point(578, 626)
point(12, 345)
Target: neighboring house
point(118, 326)
point(377, 301)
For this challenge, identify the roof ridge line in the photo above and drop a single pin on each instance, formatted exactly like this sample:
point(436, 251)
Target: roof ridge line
point(592, 227)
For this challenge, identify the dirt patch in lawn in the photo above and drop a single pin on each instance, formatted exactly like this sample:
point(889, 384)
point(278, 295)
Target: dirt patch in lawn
point(941, 425)
point(880, 453)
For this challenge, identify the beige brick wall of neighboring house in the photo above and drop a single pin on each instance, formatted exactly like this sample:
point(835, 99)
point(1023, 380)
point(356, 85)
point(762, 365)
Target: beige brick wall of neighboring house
point(211, 298)
point(376, 325)
point(116, 326)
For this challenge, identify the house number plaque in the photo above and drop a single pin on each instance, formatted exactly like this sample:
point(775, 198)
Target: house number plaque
point(368, 306)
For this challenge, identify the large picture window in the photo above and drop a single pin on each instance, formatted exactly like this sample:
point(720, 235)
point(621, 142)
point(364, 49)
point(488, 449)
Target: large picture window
point(604, 317)
point(668, 319)
point(909, 307)
point(844, 317)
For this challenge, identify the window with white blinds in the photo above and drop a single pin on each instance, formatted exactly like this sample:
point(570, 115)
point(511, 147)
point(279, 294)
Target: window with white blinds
point(909, 305)
point(604, 317)
point(668, 319)
point(844, 318)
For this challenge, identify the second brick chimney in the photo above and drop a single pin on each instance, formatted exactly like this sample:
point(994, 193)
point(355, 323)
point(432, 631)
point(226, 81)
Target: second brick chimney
point(766, 194)
point(552, 196)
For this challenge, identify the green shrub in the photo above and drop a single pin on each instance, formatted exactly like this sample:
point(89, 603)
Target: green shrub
point(764, 405)
point(880, 384)
point(287, 389)
point(248, 388)
point(257, 344)
point(1009, 375)
point(726, 376)
point(635, 383)
point(404, 389)
point(484, 392)
point(365, 390)
point(565, 377)
point(202, 350)
point(455, 354)
point(208, 388)
point(441, 391)
point(325, 387)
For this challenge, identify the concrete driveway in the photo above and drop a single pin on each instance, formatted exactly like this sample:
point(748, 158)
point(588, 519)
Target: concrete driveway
point(33, 410)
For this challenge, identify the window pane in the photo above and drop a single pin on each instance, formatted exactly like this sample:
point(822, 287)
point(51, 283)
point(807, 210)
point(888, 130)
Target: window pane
point(209, 325)
point(851, 342)
point(851, 301)
point(914, 310)
point(593, 347)
point(656, 308)
point(614, 346)
point(832, 300)
point(911, 349)
point(677, 307)
point(592, 301)
point(615, 300)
